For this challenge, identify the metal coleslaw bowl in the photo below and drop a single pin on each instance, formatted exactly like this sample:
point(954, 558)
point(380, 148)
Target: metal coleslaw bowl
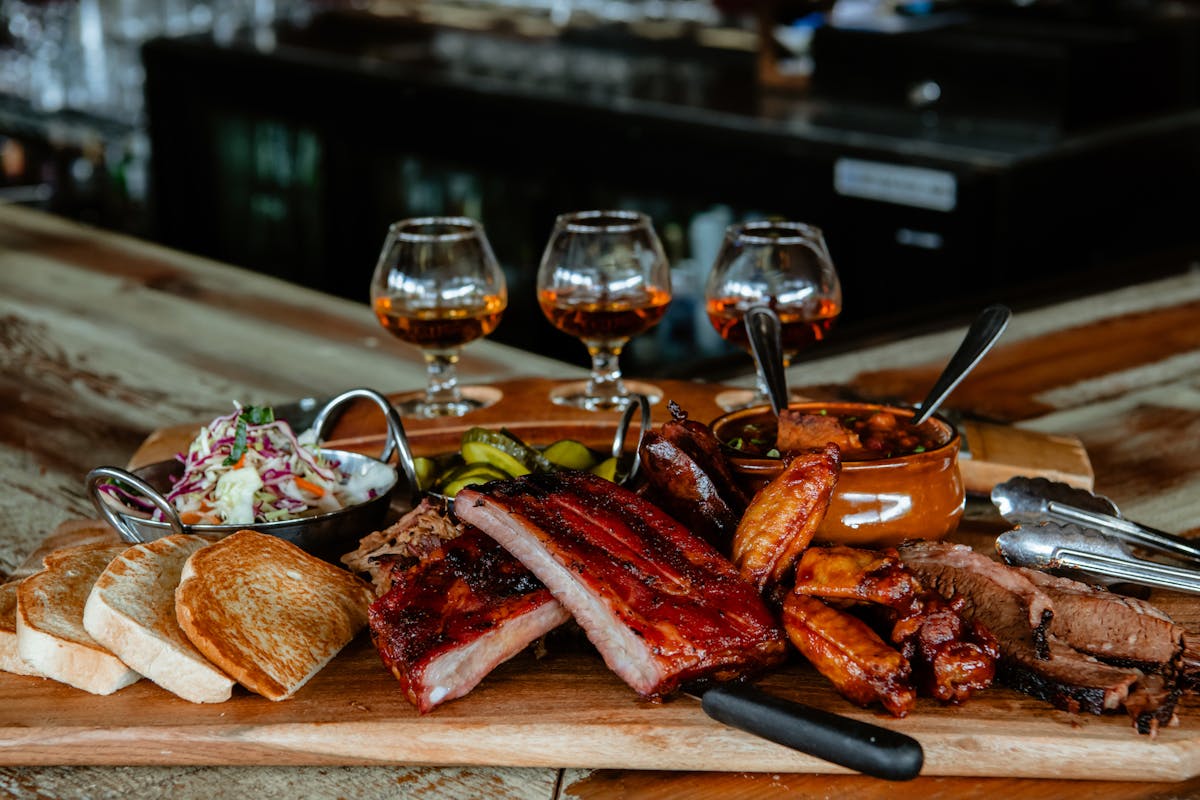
point(327, 535)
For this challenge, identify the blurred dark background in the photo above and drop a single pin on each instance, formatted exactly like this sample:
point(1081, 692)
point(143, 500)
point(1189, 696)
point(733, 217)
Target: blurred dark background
point(955, 153)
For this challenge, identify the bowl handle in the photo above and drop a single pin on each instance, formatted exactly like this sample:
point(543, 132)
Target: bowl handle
point(397, 440)
point(642, 403)
point(126, 531)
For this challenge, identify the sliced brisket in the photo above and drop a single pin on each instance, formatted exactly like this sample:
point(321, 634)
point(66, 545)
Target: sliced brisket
point(1008, 605)
point(1108, 625)
point(1002, 598)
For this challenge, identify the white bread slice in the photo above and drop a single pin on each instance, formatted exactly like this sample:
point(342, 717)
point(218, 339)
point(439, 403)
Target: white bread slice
point(131, 611)
point(10, 659)
point(50, 633)
point(266, 612)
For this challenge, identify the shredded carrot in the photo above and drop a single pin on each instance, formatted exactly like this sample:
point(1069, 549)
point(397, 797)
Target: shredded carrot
point(241, 462)
point(191, 517)
point(310, 487)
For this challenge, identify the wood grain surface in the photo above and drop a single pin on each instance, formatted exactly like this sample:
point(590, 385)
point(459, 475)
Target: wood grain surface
point(104, 339)
point(564, 709)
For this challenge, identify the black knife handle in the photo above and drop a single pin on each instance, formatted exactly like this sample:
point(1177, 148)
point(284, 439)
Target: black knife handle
point(860, 746)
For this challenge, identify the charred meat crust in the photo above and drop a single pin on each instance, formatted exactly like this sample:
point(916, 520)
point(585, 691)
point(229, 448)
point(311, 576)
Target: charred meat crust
point(1073, 697)
point(683, 487)
point(1058, 674)
point(662, 606)
point(449, 620)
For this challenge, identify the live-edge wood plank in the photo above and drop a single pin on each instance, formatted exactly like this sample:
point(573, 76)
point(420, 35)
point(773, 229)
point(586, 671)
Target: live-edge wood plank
point(562, 709)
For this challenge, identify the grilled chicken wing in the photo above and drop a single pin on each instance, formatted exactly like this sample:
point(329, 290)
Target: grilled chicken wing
point(844, 649)
point(783, 517)
point(951, 657)
point(852, 573)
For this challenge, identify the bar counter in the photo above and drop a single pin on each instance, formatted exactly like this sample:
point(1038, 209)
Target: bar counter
point(106, 339)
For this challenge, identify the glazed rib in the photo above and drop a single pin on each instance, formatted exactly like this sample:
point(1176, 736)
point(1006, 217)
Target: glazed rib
point(451, 619)
point(660, 604)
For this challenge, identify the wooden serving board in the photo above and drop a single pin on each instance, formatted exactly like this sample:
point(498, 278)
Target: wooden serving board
point(564, 709)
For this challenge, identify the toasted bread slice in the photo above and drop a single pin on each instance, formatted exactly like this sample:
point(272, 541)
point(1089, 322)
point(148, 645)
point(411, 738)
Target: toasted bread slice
point(131, 611)
point(266, 612)
point(10, 659)
point(50, 633)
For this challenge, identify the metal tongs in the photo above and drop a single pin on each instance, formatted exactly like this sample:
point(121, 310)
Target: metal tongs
point(1064, 528)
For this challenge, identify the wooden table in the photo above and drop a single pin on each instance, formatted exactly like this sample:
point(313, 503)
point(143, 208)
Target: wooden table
point(104, 339)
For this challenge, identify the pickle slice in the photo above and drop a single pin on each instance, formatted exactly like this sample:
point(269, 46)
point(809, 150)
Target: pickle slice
point(427, 472)
point(489, 454)
point(571, 454)
point(606, 469)
point(452, 488)
point(478, 444)
point(482, 471)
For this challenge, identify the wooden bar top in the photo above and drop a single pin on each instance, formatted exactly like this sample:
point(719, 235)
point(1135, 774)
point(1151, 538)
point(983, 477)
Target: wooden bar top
point(105, 339)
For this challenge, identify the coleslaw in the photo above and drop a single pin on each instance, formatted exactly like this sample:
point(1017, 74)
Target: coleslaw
point(248, 467)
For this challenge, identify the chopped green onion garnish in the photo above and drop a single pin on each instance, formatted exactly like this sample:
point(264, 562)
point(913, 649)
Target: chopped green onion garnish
point(253, 415)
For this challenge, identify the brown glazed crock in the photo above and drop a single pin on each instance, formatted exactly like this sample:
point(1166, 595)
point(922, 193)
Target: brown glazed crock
point(876, 503)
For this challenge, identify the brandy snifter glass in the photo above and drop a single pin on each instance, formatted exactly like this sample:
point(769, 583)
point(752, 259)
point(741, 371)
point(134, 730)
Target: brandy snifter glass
point(437, 285)
point(604, 279)
point(784, 266)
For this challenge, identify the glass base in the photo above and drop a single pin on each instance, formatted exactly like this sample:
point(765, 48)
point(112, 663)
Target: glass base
point(575, 394)
point(414, 406)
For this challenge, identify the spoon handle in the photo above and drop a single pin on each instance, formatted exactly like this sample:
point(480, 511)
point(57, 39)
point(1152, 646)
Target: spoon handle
point(766, 344)
point(982, 334)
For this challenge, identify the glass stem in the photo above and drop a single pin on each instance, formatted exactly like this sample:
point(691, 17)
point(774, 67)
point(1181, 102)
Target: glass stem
point(605, 380)
point(442, 369)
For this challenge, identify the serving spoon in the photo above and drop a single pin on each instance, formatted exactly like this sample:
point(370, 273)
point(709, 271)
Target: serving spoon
point(980, 337)
point(766, 345)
